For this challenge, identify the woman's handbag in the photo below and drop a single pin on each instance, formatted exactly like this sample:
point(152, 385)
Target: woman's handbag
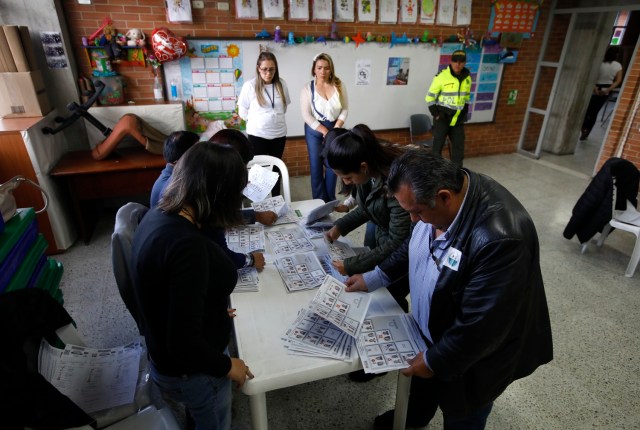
point(8, 206)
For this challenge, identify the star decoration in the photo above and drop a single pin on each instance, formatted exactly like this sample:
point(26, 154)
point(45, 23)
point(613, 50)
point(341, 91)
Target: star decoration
point(358, 39)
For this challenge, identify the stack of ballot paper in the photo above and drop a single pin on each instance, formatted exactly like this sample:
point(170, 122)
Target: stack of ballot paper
point(288, 241)
point(384, 342)
point(300, 271)
point(247, 280)
point(279, 207)
point(316, 337)
point(328, 326)
point(94, 379)
point(261, 181)
point(388, 342)
point(246, 239)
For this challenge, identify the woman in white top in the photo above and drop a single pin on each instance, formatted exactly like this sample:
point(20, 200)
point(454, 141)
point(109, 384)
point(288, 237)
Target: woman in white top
point(262, 104)
point(323, 102)
point(609, 77)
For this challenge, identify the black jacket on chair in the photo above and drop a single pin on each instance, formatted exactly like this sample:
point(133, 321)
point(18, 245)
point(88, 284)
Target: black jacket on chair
point(594, 208)
point(489, 320)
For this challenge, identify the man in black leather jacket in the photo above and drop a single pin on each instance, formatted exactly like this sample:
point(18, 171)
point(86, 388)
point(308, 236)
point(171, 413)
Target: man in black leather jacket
point(477, 293)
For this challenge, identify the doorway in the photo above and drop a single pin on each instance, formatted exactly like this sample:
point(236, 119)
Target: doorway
point(560, 93)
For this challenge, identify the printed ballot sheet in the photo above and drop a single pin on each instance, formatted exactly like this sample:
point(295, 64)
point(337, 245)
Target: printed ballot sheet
point(279, 207)
point(261, 181)
point(94, 379)
point(345, 310)
point(387, 342)
point(300, 271)
point(313, 336)
point(289, 240)
point(247, 280)
point(245, 239)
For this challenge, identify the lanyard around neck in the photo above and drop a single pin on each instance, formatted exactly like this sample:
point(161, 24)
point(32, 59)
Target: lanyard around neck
point(272, 97)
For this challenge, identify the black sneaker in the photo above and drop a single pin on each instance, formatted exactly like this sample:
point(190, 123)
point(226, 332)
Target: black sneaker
point(385, 421)
point(360, 376)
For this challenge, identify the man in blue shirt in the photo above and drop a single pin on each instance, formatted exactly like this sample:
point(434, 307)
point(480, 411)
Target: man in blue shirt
point(477, 293)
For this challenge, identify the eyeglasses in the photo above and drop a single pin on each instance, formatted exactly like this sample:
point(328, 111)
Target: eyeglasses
point(267, 69)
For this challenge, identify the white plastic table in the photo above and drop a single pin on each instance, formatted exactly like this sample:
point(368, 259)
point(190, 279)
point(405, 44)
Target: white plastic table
point(262, 319)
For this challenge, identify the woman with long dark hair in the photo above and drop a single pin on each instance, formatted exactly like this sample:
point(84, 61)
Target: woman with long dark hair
point(182, 281)
point(360, 160)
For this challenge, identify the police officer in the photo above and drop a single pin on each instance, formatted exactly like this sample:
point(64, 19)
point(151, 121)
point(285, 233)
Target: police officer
point(448, 102)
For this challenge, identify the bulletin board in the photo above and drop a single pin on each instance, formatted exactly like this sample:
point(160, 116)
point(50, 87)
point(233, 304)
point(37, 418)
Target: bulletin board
point(212, 78)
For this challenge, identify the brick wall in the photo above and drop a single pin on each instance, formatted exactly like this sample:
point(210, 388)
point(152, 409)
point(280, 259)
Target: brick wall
point(624, 117)
point(501, 136)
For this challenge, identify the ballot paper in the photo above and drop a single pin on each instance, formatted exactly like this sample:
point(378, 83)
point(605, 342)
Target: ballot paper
point(300, 271)
point(261, 181)
point(311, 335)
point(289, 240)
point(245, 239)
point(345, 310)
point(387, 342)
point(279, 207)
point(247, 280)
point(94, 379)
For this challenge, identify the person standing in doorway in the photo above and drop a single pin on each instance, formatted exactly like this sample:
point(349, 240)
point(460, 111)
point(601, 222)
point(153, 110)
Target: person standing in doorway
point(609, 78)
point(262, 104)
point(448, 102)
point(324, 104)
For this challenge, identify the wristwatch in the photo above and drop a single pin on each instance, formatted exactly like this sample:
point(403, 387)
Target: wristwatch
point(248, 262)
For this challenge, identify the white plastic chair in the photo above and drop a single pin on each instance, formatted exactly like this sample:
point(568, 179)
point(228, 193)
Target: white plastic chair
point(627, 220)
point(268, 162)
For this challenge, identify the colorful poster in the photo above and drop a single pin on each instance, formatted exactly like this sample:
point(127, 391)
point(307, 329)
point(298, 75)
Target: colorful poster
point(486, 75)
point(398, 71)
point(211, 78)
point(515, 16)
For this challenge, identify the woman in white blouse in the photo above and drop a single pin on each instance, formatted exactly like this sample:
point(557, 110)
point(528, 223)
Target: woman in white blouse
point(323, 102)
point(262, 104)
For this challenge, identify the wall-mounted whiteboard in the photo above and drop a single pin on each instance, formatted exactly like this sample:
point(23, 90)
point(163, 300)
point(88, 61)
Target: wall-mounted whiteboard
point(364, 71)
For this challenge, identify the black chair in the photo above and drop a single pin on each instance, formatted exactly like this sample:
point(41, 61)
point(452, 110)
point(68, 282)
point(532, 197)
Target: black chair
point(420, 124)
point(127, 219)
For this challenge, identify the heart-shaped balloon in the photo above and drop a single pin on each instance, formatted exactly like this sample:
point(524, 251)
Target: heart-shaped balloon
point(166, 46)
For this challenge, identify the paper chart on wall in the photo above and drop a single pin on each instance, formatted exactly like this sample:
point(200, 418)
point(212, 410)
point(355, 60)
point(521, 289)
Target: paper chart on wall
point(346, 310)
point(387, 343)
point(209, 80)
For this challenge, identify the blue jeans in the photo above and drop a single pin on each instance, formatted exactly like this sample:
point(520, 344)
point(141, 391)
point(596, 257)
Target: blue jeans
point(207, 398)
point(323, 180)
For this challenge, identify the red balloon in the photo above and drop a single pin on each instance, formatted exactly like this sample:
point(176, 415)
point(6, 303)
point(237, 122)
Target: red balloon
point(166, 46)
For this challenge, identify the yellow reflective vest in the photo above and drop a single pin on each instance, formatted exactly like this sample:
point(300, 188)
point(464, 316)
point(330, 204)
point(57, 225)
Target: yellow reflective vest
point(448, 94)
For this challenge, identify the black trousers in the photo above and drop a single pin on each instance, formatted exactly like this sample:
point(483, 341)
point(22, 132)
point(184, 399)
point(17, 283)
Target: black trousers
point(590, 118)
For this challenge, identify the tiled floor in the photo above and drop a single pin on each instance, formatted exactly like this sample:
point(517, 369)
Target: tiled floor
point(592, 382)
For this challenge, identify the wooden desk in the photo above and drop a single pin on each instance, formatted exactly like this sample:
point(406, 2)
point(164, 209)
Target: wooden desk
point(126, 172)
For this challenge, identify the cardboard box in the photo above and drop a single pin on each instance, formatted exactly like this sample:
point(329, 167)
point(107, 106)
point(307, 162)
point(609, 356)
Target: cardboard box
point(22, 94)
